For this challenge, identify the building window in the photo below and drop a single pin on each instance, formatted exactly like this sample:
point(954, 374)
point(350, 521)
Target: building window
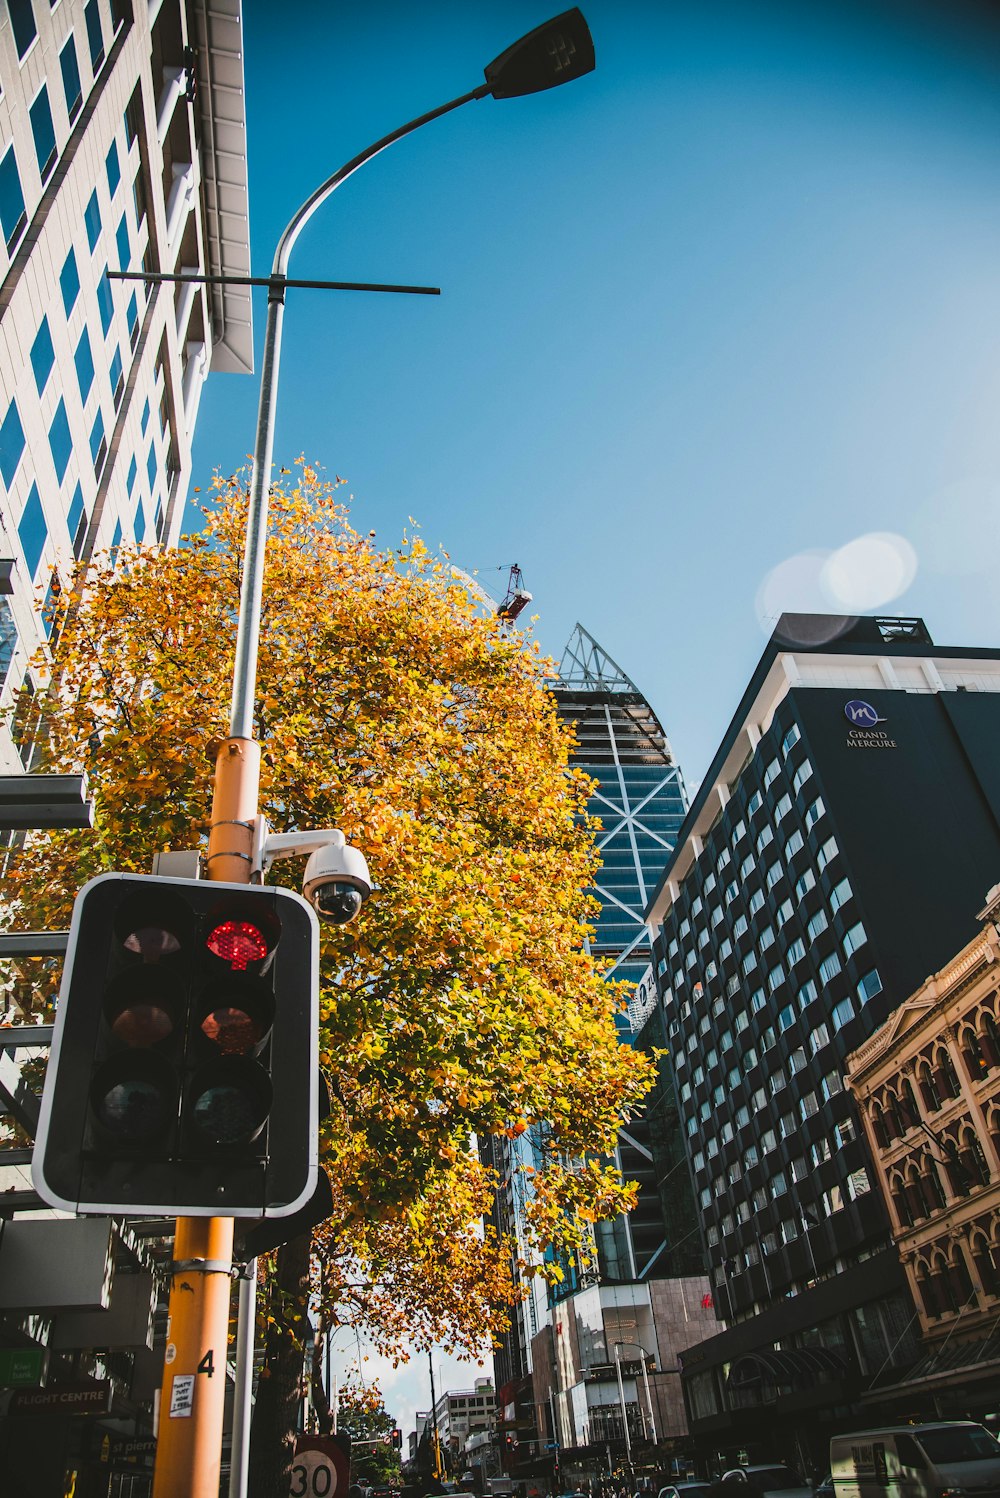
point(818, 924)
point(92, 220)
point(766, 939)
point(783, 807)
point(749, 963)
point(32, 531)
point(42, 355)
point(793, 845)
point(99, 450)
point(814, 812)
point(796, 951)
point(8, 638)
point(766, 836)
point(22, 23)
point(11, 444)
point(739, 832)
point(740, 925)
point(69, 283)
point(747, 867)
point(791, 738)
point(842, 1013)
point(70, 69)
point(829, 967)
point(776, 977)
point(754, 804)
point(13, 218)
point(806, 993)
point(870, 985)
point(828, 851)
point(60, 441)
point(122, 241)
point(105, 304)
point(801, 775)
point(133, 320)
point(84, 361)
point(43, 133)
point(786, 1018)
point(819, 1038)
point(771, 773)
point(76, 521)
point(113, 168)
point(756, 901)
point(117, 378)
point(805, 884)
point(854, 938)
point(840, 893)
point(95, 37)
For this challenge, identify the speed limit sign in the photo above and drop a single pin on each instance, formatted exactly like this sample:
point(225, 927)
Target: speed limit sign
point(320, 1468)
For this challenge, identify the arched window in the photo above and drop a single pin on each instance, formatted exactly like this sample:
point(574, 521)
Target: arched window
point(900, 1200)
point(993, 1124)
point(973, 1159)
point(893, 1121)
point(928, 1088)
point(944, 1288)
point(961, 1280)
point(930, 1185)
point(879, 1126)
point(945, 1075)
point(982, 1257)
point(972, 1054)
point(989, 1033)
point(955, 1169)
point(927, 1290)
point(914, 1195)
point(908, 1111)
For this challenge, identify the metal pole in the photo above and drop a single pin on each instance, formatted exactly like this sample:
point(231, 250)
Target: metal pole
point(243, 1382)
point(621, 1396)
point(189, 1449)
point(649, 1399)
point(435, 1444)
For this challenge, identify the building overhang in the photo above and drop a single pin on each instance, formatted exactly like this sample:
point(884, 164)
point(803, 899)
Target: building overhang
point(217, 35)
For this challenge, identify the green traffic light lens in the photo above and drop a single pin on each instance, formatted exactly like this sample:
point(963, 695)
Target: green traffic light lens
point(229, 1101)
point(133, 1097)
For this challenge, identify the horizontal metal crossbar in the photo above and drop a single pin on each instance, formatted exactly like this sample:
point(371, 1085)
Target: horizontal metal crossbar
point(153, 277)
point(33, 943)
point(12, 1036)
point(41, 801)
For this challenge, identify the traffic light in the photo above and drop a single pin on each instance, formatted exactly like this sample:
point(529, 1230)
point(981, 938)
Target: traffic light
point(397, 1439)
point(183, 1076)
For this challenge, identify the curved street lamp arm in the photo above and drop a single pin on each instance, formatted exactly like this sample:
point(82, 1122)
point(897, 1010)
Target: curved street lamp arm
point(251, 591)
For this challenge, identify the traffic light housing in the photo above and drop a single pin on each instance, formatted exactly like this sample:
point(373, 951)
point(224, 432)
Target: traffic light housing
point(397, 1439)
point(183, 1076)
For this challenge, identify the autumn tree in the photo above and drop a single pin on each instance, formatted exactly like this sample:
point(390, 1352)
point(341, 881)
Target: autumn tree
point(462, 1001)
point(362, 1415)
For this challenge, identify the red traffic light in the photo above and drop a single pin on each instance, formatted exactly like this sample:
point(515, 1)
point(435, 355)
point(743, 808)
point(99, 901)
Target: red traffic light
point(238, 943)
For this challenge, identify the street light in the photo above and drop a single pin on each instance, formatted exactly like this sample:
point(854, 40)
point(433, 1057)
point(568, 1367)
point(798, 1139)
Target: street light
point(621, 1392)
point(554, 53)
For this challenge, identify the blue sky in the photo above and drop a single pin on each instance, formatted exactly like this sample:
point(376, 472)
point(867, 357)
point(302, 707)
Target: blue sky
point(710, 314)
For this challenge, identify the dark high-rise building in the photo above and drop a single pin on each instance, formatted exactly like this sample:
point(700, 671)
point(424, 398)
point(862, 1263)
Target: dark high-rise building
point(640, 800)
point(836, 853)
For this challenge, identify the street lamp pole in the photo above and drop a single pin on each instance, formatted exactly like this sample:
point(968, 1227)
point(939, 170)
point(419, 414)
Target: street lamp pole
point(621, 1400)
point(645, 1381)
point(189, 1449)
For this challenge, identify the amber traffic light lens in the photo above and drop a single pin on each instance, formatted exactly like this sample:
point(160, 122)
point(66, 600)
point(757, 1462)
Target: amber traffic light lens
point(233, 1030)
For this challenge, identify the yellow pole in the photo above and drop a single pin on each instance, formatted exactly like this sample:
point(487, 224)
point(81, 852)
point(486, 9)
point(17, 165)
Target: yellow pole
point(192, 1395)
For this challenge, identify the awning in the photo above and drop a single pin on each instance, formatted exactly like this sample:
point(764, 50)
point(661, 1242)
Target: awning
point(800, 1367)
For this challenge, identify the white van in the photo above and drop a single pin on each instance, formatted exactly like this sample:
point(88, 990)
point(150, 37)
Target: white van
point(947, 1459)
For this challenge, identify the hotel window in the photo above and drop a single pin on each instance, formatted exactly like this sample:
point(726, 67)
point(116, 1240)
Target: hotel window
point(786, 1018)
point(814, 812)
point(750, 1157)
point(717, 915)
point(801, 775)
point(757, 1000)
point(778, 1184)
point(820, 1151)
point(796, 951)
point(828, 851)
point(740, 925)
point(870, 985)
point(70, 69)
point(842, 1013)
point(854, 938)
point(84, 361)
point(806, 993)
point(75, 521)
point(725, 949)
point(805, 884)
point(766, 939)
point(702, 939)
point(831, 1085)
point(840, 893)
point(709, 884)
point(742, 1021)
point(749, 963)
point(712, 1148)
point(771, 773)
point(773, 875)
point(732, 890)
point(818, 924)
point(755, 803)
point(723, 859)
point(756, 901)
point(791, 738)
point(776, 1082)
point(747, 867)
point(766, 836)
point(113, 168)
point(795, 842)
point(759, 1100)
point(739, 831)
point(122, 242)
point(13, 219)
point(808, 1105)
point(685, 925)
point(742, 1116)
point(768, 1141)
point(776, 977)
point(732, 986)
point(105, 302)
point(117, 378)
point(829, 967)
point(673, 948)
point(819, 1038)
point(783, 807)
point(797, 1061)
point(99, 450)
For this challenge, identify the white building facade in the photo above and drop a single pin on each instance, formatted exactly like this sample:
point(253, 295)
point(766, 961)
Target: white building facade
point(122, 147)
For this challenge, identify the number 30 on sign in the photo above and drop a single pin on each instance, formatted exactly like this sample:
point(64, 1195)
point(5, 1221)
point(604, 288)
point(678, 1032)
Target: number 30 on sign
point(319, 1469)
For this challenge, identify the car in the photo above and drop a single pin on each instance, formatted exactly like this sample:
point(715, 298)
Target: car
point(683, 1489)
point(772, 1479)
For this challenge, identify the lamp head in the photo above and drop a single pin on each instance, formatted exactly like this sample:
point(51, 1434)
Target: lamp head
point(556, 52)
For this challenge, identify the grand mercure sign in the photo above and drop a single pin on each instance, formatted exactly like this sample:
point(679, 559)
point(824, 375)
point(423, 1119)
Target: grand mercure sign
point(866, 731)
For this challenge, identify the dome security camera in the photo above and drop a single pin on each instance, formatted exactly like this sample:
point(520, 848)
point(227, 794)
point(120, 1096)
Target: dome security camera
point(336, 881)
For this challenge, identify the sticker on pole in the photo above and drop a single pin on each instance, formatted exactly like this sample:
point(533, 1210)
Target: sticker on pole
point(181, 1396)
point(320, 1468)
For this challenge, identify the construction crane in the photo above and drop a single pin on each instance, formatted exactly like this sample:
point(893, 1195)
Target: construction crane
point(516, 598)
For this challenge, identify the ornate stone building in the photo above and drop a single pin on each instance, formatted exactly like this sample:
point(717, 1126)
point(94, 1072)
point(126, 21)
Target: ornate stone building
point(928, 1086)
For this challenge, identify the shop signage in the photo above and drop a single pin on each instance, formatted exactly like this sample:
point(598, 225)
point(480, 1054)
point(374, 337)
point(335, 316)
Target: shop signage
point(21, 1367)
point(67, 1399)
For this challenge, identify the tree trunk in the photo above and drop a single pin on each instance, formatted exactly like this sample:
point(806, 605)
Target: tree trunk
point(279, 1391)
point(320, 1393)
